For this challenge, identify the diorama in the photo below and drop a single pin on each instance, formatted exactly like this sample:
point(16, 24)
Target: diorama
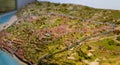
point(64, 34)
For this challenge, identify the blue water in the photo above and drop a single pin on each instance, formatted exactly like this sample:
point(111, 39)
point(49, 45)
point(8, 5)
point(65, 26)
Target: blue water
point(5, 17)
point(6, 59)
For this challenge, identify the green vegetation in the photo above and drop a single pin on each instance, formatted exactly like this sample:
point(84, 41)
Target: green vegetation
point(106, 50)
point(118, 38)
point(44, 28)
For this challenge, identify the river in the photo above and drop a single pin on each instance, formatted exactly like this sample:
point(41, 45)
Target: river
point(7, 59)
point(5, 17)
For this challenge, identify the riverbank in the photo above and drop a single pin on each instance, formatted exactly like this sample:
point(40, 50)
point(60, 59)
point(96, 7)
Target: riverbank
point(9, 23)
point(4, 26)
point(22, 63)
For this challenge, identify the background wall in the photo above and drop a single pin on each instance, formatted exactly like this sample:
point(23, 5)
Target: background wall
point(7, 6)
point(21, 3)
point(106, 4)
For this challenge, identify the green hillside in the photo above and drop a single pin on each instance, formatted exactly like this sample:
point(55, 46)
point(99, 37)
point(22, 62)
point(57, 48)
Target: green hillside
point(65, 34)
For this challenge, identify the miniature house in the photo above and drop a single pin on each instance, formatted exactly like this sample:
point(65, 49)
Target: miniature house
point(10, 5)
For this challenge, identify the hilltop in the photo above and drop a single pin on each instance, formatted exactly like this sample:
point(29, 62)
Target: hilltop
point(68, 34)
